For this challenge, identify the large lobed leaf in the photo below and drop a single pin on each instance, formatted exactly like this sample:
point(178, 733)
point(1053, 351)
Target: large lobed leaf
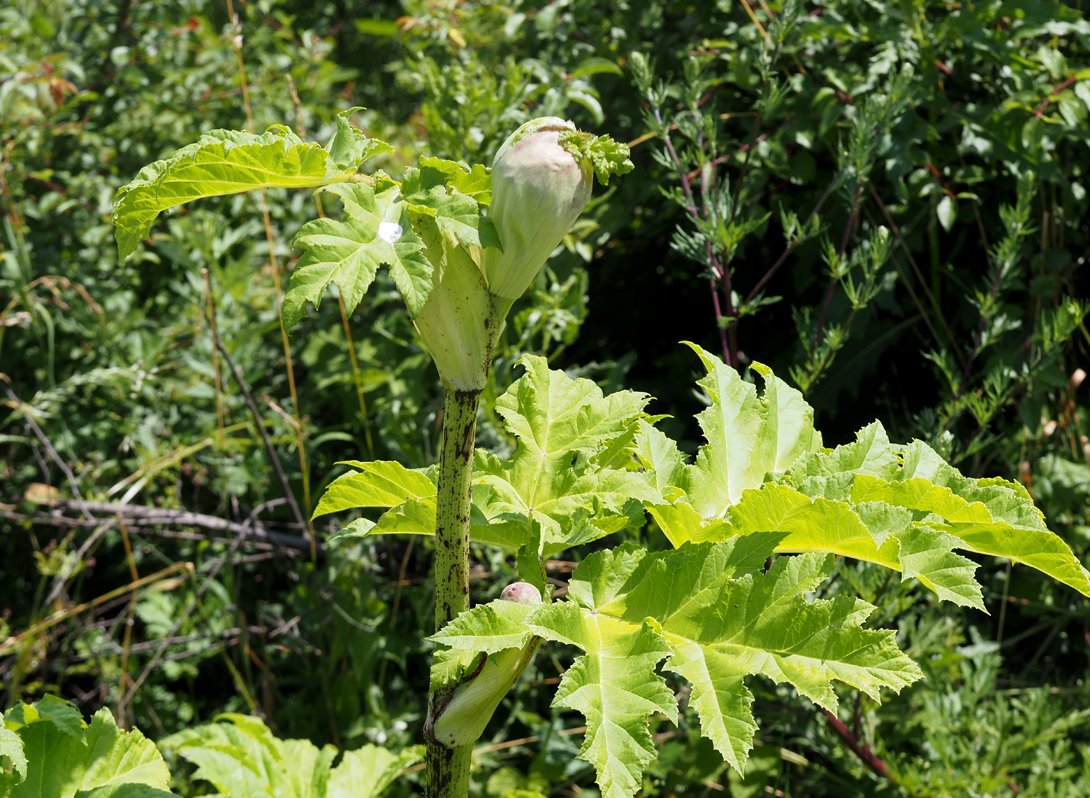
point(55, 754)
point(242, 758)
point(716, 618)
point(483, 630)
point(452, 195)
point(554, 416)
point(385, 222)
point(762, 469)
point(908, 490)
point(230, 162)
point(367, 771)
point(390, 223)
point(375, 230)
point(747, 435)
point(707, 611)
point(380, 483)
point(873, 532)
point(615, 687)
point(11, 750)
point(570, 469)
point(488, 628)
point(571, 472)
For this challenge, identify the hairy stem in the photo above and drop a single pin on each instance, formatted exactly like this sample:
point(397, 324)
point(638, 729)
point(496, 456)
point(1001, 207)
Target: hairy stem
point(447, 771)
point(448, 768)
point(453, 502)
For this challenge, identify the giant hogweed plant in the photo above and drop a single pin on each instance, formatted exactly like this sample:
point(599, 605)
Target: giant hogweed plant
point(756, 520)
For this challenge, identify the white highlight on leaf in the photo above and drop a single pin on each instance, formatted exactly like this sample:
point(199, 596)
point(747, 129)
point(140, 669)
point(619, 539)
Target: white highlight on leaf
point(389, 231)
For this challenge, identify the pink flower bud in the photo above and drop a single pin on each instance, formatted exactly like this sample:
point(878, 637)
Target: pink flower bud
point(521, 592)
point(538, 191)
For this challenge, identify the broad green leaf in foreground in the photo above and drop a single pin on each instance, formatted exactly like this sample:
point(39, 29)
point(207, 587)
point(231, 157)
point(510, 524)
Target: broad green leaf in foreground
point(490, 627)
point(985, 516)
point(716, 619)
point(572, 470)
point(871, 532)
point(115, 757)
point(124, 791)
point(381, 483)
point(65, 716)
point(417, 517)
point(407, 495)
point(367, 771)
point(615, 687)
point(554, 416)
point(973, 527)
point(570, 466)
point(900, 506)
point(230, 162)
point(747, 435)
point(241, 758)
point(56, 755)
point(375, 230)
point(485, 629)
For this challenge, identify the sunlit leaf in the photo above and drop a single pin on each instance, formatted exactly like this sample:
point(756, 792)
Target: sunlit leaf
point(230, 162)
point(241, 758)
point(562, 474)
point(374, 230)
point(747, 435)
point(762, 469)
point(613, 684)
point(366, 772)
point(56, 755)
point(11, 747)
point(718, 620)
point(380, 483)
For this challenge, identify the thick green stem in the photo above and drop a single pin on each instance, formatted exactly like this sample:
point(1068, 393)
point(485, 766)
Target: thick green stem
point(447, 771)
point(448, 768)
point(453, 504)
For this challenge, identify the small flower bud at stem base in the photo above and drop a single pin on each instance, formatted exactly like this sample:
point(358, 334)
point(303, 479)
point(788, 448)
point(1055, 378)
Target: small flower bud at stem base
point(521, 592)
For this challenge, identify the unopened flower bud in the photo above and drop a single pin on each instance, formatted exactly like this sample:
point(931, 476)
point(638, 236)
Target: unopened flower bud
point(522, 593)
point(538, 191)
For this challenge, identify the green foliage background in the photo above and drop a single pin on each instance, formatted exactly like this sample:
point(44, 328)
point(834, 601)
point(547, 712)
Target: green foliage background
point(896, 191)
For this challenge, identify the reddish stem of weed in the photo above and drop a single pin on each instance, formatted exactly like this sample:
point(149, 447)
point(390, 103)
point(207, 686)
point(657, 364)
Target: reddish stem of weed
point(857, 746)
